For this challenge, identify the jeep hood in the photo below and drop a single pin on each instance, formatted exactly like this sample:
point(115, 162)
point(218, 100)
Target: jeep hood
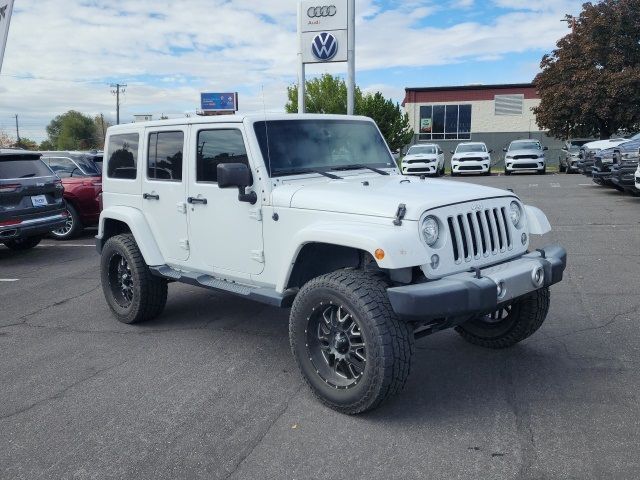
point(381, 197)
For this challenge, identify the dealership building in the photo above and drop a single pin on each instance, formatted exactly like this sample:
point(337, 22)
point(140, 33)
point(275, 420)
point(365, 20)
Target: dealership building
point(494, 114)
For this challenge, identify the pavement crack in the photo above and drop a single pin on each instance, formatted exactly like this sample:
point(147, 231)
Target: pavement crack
point(23, 319)
point(258, 440)
point(613, 319)
point(61, 393)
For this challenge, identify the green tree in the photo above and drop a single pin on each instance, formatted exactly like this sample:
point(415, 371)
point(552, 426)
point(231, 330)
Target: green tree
point(27, 144)
point(46, 145)
point(590, 84)
point(72, 131)
point(328, 94)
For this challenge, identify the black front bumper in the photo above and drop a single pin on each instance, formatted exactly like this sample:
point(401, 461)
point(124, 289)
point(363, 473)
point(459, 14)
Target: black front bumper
point(465, 294)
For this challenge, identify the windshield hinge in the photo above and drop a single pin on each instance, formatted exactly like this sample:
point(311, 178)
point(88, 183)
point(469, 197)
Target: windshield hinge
point(256, 214)
point(402, 211)
point(184, 244)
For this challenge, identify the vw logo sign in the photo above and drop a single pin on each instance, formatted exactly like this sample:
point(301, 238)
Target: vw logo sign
point(325, 11)
point(324, 46)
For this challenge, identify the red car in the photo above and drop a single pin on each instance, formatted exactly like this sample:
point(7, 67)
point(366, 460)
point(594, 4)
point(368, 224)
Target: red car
point(82, 180)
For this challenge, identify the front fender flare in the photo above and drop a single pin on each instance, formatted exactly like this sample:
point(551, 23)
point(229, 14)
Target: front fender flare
point(537, 221)
point(140, 229)
point(401, 244)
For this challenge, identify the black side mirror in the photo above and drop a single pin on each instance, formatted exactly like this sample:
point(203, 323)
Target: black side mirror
point(451, 151)
point(237, 175)
point(490, 151)
point(504, 149)
point(545, 148)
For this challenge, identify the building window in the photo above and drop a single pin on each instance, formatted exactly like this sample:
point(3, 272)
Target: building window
point(445, 122)
point(509, 104)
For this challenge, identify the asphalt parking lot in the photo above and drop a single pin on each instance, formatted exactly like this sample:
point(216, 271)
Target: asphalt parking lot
point(210, 390)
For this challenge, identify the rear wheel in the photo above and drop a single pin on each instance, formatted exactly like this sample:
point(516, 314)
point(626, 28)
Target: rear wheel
point(71, 228)
point(23, 243)
point(351, 349)
point(510, 324)
point(132, 292)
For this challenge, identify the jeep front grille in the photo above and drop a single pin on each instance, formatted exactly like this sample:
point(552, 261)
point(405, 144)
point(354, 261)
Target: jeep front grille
point(480, 233)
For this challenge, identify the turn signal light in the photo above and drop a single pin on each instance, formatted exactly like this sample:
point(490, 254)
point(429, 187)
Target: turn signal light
point(379, 254)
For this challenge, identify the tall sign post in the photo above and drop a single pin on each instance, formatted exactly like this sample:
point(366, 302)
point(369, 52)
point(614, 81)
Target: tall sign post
point(326, 34)
point(6, 8)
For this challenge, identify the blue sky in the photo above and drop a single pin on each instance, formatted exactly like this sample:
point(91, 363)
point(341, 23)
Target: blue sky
point(62, 54)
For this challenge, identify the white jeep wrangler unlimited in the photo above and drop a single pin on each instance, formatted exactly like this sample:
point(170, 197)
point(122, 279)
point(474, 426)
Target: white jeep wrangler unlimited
point(311, 212)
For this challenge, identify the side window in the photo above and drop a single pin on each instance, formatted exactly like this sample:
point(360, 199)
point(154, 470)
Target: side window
point(215, 147)
point(64, 167)
point(122, 154)
point(164, 158)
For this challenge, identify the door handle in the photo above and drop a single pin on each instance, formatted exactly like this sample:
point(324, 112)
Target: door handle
point(150, 196)
point(192, 200)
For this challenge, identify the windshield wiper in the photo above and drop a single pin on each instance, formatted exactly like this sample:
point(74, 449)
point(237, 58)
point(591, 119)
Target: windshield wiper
point(293, 171)
point(358, 166)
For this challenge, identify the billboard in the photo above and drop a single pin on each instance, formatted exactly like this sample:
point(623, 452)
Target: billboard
point(219, 102)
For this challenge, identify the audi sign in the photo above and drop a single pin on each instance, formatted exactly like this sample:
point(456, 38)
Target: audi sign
point(324, 11)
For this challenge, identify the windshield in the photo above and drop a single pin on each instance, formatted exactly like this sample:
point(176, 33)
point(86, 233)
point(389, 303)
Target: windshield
point(296, 146)
point(524, 146)
point(422, 150)
point(473, 147)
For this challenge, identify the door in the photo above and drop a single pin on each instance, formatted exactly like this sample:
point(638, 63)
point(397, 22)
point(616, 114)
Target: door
point(225, 234)
point(164, 190)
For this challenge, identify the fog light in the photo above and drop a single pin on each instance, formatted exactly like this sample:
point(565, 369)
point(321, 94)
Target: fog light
point(435, 261)
point(502, 290)
point(537, 276)
point(523, 238)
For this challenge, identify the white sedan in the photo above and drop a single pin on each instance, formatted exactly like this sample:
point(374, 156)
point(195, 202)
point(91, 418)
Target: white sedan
point(424, 159)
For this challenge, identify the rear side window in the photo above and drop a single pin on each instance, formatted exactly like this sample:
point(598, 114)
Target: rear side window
point(64, 167)
point(164, 160)
point(215, 147)
point(123, 156)
point(17, 167)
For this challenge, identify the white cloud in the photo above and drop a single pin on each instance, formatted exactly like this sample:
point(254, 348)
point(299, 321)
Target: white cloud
point(168, 51)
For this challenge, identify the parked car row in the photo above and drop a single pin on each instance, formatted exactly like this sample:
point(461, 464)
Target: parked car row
point(613, 163)
point(47, 193)
point(474, 158)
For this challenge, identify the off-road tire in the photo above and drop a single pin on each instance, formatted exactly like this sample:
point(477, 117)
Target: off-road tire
point(389, 341)
point(23, 243)
point(526, 316)
point(76, 225)
point(149, 291)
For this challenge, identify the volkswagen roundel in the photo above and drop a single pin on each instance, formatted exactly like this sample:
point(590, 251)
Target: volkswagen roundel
point(324, 46)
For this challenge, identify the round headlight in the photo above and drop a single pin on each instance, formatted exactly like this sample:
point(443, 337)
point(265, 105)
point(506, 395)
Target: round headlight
point(515, 213)
point(430, 230)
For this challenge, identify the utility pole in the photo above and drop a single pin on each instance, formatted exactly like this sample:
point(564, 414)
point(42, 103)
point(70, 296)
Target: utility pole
point(17, 129)
point(102, 122)
point(118, 87)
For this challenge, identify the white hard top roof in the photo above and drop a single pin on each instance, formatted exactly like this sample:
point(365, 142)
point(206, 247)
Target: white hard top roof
point(237, 118)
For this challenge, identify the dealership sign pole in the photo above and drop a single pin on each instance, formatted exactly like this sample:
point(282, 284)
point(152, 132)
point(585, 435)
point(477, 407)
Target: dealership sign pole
point(6, 7)
point(326, 34)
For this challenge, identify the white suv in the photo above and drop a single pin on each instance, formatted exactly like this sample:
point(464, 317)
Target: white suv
point(471, 157)
point(424, 159)
point(311, 212)
point(525, 156)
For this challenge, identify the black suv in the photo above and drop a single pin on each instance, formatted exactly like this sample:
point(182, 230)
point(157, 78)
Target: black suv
point(31, 203)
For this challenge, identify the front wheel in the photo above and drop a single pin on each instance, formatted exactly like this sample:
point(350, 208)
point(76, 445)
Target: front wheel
point(351, 348)
point(132, 292)
point(71, 228)
point(510, 324)
point(507, 172)
point(543, 171)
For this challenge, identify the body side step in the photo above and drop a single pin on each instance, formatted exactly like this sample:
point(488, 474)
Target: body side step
point(263, 295)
